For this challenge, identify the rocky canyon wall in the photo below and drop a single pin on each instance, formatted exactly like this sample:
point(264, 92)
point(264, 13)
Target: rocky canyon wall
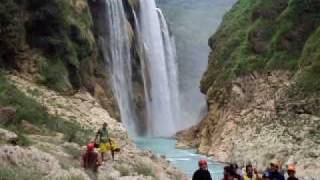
point(56, 43)
point(262, 85)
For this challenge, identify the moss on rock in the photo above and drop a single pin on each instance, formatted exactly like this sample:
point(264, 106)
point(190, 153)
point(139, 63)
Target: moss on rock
point(263, 36)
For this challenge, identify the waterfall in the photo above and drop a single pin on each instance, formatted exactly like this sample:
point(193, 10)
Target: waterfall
point(158, 66)
point(172, 70)
point(161, 84)
point(115, 44)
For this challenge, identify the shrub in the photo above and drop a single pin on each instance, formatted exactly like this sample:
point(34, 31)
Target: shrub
point(144, 169)
point(123, 169)
point(18, 173)
point(309, 80)
point(54, 75)
point(33, 112)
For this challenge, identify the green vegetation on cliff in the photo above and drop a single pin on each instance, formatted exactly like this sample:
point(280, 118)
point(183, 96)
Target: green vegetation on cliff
point(58, 31)
point(259, 35)
point(64, 38)
point(30, 111)
point(12, 32)
point(54, 42)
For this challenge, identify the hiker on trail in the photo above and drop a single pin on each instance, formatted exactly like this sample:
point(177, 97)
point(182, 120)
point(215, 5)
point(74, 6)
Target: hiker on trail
point(251, 173)
point(105, 143)
point(202, 173)
point(291, 172)
point(91, 159)
point(274, 171)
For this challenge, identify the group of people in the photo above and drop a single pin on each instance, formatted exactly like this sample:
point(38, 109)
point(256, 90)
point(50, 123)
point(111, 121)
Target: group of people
point(234, 172)
point(102, 141)
point(91, 159)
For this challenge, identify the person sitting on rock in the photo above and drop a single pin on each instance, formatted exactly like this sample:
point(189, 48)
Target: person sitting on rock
point(202, 173)
point(104, 141)
point(91, 159)
point(251, 173)
point(291, 172)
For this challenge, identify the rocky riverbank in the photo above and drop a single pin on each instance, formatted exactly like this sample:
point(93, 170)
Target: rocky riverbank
point(257, 126)
point(51, 156)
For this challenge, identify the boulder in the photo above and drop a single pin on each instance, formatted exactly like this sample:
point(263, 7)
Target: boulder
point(8, 136)
point(7, 115)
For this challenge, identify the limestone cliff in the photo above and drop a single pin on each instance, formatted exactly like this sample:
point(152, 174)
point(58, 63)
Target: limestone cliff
point(56, 43)
point(263, 86)
point(53, 43)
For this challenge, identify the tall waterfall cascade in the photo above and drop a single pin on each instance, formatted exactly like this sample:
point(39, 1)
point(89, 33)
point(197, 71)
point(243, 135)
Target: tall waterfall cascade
point(116, 50)
point(160, 61)
point(158, 64)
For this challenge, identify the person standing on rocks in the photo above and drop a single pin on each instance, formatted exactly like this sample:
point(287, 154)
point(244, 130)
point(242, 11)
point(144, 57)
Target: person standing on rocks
point(91, 159)
point(104, 141)
point(291, 172)
point(202, 173)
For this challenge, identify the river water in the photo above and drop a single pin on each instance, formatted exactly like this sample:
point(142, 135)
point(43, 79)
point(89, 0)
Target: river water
point(184, 160)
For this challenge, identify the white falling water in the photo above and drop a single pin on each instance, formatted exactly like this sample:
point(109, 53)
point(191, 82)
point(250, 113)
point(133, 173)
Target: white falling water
point(172, 70)
point(160, 67)
point(116, 48)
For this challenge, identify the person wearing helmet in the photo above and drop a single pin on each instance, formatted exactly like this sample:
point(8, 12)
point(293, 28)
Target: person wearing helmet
point(274, 171)
point(291, 172)
point(91, 158)
point(202, 173)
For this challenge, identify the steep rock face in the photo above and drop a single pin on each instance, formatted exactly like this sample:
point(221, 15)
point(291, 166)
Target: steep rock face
point(262, 85)
point(56, 43)
point(52, 43)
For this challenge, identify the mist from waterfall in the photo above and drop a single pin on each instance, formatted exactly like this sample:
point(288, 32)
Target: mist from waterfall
point(116, 51)
point(160, 77)
point(192, 22)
